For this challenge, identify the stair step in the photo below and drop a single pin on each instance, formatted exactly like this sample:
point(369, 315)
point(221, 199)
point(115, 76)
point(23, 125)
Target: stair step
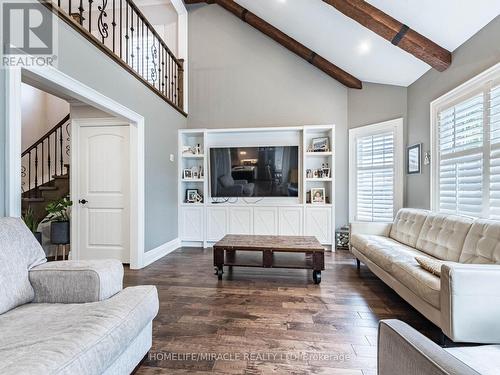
point(33, 200)
point(48, 188)
point(61, 177)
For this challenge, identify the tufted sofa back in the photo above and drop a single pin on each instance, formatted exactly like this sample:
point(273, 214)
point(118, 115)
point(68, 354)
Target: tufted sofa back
point(407, 225)
point(482, 244)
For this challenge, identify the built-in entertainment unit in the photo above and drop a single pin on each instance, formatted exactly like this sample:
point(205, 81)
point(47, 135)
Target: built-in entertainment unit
point(265, 171)
point(256, 181)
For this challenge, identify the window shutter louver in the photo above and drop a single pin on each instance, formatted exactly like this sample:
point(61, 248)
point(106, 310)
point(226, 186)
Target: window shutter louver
point(494, 124)
point(375, 177)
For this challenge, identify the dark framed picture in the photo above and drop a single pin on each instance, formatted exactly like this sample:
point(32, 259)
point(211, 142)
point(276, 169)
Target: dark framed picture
point(414, 159)
point(321, 144)
point(187, 174)
point(191, 195)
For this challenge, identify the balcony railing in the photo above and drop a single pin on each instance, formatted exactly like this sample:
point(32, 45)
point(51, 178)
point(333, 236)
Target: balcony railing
point(120, 30)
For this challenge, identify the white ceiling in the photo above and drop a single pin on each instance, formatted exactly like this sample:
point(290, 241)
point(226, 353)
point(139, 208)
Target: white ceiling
point(361, 52)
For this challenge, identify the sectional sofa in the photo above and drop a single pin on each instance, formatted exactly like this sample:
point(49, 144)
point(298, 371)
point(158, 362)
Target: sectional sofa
point(464, 301)
point(68, 317)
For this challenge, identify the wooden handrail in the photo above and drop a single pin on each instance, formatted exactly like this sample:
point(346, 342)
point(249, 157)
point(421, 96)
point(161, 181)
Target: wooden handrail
point(46, 135)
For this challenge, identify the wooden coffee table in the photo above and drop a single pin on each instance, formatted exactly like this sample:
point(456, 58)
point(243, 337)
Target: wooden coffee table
point(225, 253)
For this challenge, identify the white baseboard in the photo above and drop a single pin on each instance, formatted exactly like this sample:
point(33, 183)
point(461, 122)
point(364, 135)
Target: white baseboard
point(159, 252)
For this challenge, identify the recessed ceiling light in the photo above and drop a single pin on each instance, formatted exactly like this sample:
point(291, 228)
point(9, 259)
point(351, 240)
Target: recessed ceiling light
point(364, 47)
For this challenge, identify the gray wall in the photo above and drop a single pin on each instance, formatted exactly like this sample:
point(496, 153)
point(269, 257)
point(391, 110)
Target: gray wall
point(474, 56)
point(2, 144)
point(81, 60)
point(376, 103)
point(241, 78)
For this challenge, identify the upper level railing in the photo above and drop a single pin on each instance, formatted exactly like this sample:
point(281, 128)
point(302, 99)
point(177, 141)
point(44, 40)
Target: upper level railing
point(120, 30)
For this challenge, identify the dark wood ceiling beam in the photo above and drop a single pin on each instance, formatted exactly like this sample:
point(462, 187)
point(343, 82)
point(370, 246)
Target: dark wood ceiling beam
point(394, 31)
point(299, 49)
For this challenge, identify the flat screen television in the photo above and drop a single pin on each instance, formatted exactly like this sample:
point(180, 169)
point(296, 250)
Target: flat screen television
point(270, 171)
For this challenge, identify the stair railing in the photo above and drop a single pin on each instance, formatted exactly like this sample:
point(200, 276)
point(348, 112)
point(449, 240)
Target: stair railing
point(46, 158)
point(122, 31)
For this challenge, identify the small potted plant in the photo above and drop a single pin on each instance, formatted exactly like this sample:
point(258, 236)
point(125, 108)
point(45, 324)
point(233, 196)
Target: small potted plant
point(58, 216)
point(32, 224)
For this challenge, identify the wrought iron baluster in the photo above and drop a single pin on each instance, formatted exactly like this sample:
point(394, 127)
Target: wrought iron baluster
point(126, 31)
point(36, 167)
point(162, 74)
point(121, 28)
point(147, 53)
point(90, 15)
point(102, 26)
point(137, 43)
point(142, 58)
point(69, 6)
point(48, 155)
point(29, 173)
point(160, 55)
point(132, 36)
point(114, 25)
point(80, 9)
point(55, 153)
point(43, 164)
point(61, 144)
point(154, 55)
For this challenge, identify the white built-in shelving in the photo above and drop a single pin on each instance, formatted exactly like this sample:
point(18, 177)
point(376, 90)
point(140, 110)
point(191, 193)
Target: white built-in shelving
point(202, 224)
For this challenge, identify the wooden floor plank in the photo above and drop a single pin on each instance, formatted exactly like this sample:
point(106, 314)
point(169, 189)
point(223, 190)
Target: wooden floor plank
point(302, 328)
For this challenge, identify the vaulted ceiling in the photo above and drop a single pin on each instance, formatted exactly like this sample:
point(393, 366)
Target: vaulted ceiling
point(361, 52)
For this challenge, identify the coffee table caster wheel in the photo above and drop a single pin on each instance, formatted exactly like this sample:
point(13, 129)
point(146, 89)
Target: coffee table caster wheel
point(317, 277)
point(219, 272)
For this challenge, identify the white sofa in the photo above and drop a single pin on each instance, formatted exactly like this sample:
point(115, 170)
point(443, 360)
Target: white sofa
point(465, 301)
point(68, 317)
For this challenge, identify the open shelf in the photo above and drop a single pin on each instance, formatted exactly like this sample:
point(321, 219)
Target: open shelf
point(193, 156)
point(193, 180)
point(328, 153)
point(320, 179)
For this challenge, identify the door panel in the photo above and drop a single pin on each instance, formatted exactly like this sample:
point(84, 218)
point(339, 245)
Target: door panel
point(216, 223)
point(240, 220)
point(103, 170)
point(319, 223)
point(290, 221)
point(265, 221)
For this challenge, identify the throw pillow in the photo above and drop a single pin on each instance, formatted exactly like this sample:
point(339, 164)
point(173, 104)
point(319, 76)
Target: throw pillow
point(430, 265)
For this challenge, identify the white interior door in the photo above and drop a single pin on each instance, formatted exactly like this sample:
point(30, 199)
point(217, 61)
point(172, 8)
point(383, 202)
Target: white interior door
point(103, 192)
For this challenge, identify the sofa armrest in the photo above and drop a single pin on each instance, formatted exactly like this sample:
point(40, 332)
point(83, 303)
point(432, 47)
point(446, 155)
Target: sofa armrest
point(76, 281)
point(240, 182)
point(378, 229)
point(403, 350)
point(470, 302)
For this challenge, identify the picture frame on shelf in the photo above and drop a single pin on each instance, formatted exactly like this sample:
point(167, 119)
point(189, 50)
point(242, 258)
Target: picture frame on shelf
point(318, 196)
point(321, 144)
point(187, 174)
point(414, 159)
point(326, 173)
point(192, 195)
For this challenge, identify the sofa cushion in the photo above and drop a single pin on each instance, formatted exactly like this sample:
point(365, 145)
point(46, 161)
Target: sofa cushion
point(19, 252)
point(482, 244)
point(381, 250)
point(431, 265)
point(226, 181)
point(485, 359)
point(74, 338)
point(442, 236)
point(421, 282)
point(407, 225)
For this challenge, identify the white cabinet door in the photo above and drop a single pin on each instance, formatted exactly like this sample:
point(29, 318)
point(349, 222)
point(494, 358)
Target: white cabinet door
point(192, 223)
point(240, 220)
point(290, 221)
point(265, 221)
point(217, 223)
point(319, 223)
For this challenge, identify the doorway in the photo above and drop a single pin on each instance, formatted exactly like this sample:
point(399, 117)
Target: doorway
point(63, 86)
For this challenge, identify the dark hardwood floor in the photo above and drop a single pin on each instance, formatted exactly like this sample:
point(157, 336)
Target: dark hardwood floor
point(267, 321)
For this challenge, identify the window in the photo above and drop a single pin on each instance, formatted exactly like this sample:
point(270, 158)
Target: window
point(466, 148)
point(375, 168)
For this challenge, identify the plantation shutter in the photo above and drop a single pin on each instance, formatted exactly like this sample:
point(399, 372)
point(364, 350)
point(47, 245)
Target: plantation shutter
point(494, 178)
point(461, 130)
point(375, 177)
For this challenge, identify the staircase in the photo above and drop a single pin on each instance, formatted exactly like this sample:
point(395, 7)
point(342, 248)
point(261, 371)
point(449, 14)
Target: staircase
point(45, 169)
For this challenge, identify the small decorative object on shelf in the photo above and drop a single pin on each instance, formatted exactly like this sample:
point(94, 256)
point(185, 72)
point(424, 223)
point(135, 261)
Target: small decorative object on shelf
point(187, 174)
point(191, 150)
point(323, 172)
point(321, 144)
point(342, 238)
point(318, 196)
point(193, 196)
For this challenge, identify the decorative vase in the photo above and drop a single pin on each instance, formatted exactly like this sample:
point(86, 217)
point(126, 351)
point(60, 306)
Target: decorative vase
point(59, 232)
point(38, 236)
